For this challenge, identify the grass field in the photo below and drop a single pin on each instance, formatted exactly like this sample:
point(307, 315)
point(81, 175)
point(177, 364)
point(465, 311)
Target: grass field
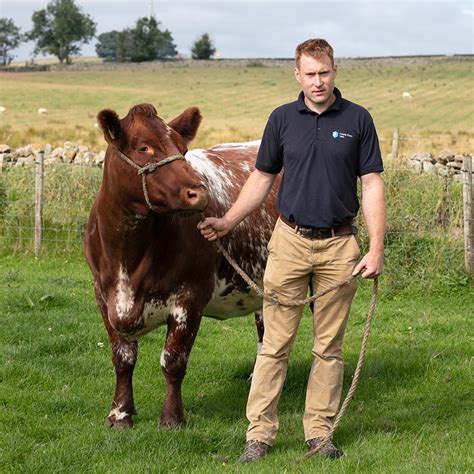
point(413, 409)
point(411, 413)
point(236, 101)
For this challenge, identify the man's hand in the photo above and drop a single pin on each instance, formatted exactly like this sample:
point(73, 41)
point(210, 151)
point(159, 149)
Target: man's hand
point(371, 265)
point(213, 228)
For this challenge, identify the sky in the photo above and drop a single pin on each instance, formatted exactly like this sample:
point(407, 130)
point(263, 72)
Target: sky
point(264, 28)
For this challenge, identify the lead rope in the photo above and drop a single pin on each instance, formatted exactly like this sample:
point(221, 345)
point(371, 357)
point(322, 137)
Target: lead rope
point(288, 303)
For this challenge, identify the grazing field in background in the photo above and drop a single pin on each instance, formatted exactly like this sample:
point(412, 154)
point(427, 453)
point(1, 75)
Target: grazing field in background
point(236, 101)
point(411, 413)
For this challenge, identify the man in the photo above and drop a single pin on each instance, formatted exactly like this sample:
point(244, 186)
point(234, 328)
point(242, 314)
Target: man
point(324, 143)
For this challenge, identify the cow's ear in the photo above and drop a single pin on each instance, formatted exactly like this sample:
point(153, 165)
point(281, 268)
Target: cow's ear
point(187, 123)
point(109, 122)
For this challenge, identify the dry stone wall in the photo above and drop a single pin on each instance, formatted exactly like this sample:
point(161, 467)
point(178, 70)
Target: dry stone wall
point(444, 164)
point(68, 153)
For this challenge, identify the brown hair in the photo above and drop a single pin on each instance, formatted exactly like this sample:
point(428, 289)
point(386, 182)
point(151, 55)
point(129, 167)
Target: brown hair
point(314, 48)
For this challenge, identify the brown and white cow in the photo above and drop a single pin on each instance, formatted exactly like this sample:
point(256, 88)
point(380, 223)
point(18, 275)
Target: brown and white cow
point(150, 264)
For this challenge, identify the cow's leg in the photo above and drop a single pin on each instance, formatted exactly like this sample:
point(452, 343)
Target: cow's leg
point(124, 356)
point(260, 329)
point(174, 360)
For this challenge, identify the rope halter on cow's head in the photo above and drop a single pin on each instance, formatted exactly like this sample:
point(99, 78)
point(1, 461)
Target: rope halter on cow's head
point(149, 168)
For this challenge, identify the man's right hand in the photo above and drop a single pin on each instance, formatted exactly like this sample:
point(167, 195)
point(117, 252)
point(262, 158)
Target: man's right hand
point(213, 228)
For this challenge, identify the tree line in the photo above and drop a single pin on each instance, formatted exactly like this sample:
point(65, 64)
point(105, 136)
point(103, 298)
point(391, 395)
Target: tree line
point(62, 28)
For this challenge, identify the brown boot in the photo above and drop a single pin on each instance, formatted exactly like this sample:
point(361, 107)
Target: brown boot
point(328, 450)
point(254, 451)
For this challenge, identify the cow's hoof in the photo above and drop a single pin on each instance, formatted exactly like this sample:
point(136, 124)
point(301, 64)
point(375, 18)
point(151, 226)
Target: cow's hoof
point(172, 423)
point(120, 421)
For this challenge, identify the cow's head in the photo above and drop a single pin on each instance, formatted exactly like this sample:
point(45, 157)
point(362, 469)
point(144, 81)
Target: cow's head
point(146, 139)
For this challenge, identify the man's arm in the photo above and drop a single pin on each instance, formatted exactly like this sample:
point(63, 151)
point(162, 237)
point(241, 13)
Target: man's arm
point(252, 194)
point(373, 209)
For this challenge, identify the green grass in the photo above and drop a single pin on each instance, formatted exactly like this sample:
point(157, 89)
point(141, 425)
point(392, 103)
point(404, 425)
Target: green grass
point(236, 101)
point(411, 413)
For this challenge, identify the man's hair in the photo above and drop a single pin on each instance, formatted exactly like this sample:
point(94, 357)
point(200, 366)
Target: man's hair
point(314, 48)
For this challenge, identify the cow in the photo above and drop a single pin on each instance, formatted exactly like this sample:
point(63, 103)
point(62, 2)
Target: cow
point(151, 266)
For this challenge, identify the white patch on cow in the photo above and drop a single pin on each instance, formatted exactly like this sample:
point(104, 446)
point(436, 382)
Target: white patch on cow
point(180, 315)
point(126, 354)
point(155, 314)
point(163, 356)
point(245, 167)
point(226, 307)
point(124, 297)
point(119, 415)
point(218, 179)
point(259, 347)
point(254, 143)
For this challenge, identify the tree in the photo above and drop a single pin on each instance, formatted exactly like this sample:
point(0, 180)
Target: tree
point(10, 38)
point(108, 44)
point(149, 42)
point(145, 42)
point(60, 29)
point(203, 48)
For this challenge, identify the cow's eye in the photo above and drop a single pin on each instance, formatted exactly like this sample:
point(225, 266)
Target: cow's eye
point(143, 149)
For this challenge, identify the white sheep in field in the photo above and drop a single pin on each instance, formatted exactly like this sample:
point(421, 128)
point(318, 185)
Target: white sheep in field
point(2, 109)
point(42, 111)
point(406, 96)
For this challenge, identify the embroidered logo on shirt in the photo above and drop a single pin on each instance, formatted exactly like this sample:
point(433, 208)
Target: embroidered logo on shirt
point(337, 134)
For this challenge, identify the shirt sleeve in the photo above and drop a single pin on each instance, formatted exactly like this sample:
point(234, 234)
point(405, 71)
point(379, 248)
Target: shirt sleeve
point(370, 158)
point(270, 156)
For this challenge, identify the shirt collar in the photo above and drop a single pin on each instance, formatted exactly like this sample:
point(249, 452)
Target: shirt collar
point(336, 105)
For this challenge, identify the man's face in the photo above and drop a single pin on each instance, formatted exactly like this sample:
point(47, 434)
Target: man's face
point(317, 78)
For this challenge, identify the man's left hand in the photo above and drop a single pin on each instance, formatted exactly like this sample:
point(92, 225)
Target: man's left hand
point(371, 265)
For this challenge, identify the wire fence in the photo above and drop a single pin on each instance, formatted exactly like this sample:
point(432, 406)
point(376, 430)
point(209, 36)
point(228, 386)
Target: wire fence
point(424, 226)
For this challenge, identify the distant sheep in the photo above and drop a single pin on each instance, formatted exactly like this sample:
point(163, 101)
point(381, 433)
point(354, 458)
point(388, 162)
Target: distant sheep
point(42, 111)
point(2, 109)
point(406, 96)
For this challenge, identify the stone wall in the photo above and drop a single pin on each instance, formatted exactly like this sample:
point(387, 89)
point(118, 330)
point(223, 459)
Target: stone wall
point(68, 153)
point(444, 164)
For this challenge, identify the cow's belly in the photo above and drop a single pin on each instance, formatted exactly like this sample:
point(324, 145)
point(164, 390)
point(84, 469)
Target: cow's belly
point(231, 304)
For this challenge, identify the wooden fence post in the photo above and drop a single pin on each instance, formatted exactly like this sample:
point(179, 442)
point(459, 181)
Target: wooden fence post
point(468, 222)
point(39, 177)
point(395, 144)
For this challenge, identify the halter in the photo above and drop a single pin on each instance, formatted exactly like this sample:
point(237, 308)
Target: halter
point(149, 168)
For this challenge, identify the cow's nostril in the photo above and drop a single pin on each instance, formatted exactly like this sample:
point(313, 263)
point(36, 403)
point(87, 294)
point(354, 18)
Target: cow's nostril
point(192, 194)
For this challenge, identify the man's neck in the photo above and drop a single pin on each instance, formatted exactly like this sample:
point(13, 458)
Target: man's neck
point(320, 108)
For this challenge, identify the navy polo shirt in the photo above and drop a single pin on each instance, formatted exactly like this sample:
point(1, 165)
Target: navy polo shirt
point(321, 156)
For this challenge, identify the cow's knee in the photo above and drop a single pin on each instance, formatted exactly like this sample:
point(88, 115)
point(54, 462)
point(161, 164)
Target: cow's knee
point(124, 356)
point(174, 365)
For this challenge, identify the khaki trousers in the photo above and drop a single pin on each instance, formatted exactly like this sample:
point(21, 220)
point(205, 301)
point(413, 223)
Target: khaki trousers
point(292, 261)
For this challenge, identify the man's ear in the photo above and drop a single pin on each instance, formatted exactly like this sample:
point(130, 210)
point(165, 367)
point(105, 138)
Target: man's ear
point(109, 122)
point(187, 123)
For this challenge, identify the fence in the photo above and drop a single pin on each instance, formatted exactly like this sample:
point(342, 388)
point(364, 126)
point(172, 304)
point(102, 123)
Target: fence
point(429, 217)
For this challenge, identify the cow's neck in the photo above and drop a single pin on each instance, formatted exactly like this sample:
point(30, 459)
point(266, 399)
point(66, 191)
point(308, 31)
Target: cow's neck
point(134, 239)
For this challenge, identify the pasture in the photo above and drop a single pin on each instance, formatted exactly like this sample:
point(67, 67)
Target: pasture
point(413, 408)
point(411, 413)
point(236, 101)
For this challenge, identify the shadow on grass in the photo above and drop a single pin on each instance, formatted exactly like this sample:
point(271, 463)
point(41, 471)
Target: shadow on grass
point(398, 392)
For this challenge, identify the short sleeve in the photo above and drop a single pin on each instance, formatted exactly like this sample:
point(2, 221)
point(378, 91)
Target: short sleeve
point(270, 156)
point(370, 158)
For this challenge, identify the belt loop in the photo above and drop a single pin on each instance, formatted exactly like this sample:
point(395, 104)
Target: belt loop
point(333, 234)
point(297, 228)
